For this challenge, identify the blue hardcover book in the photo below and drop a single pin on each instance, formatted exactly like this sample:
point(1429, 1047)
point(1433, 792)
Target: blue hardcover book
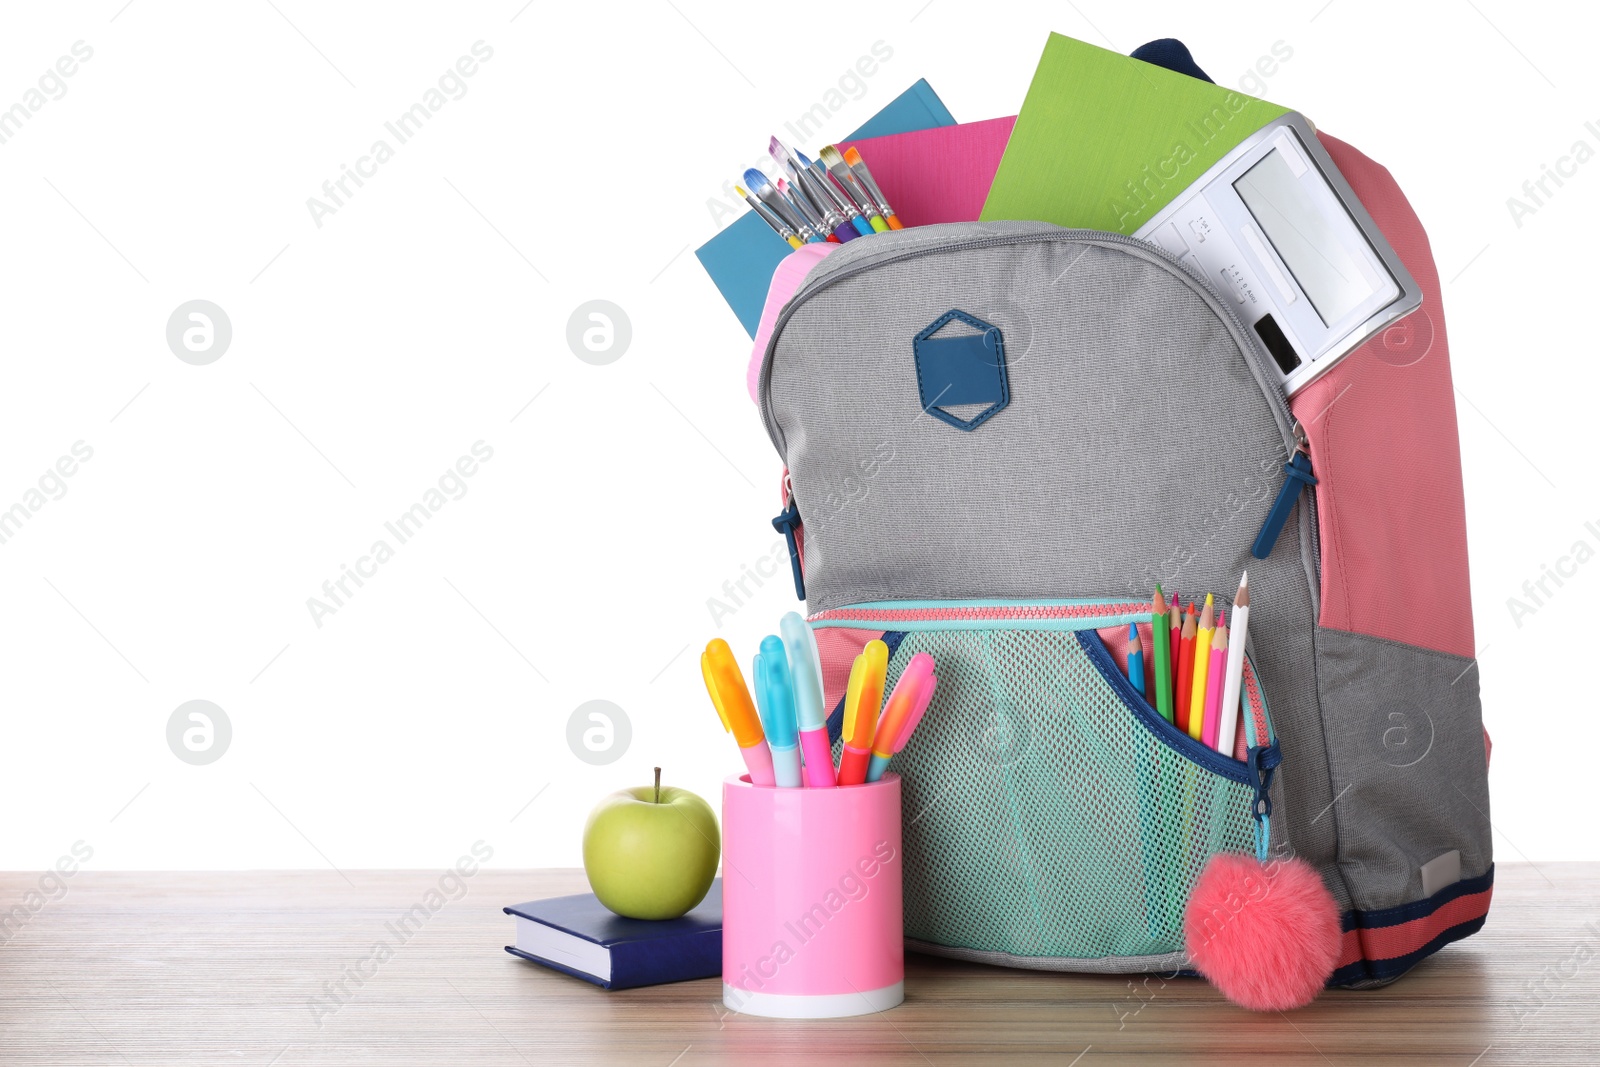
point(578, 935)
point(743, 256)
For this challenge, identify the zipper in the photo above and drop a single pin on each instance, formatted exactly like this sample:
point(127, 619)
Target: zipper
point(1061, 615)
point(1256, 359)
point(905, 616)
point(788, 523)
point(1297, 475)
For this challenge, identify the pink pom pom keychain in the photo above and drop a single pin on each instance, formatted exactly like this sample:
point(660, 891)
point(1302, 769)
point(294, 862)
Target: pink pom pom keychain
point(1265, 934)
point(1263, 931)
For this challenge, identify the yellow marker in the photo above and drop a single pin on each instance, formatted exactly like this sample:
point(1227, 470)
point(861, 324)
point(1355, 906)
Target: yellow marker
point(731, 697)
point(862, 698)
point(1202, 667)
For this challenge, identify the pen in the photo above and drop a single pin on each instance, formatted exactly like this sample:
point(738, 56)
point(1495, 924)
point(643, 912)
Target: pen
point(805, 671)
point(775, 697)
point(905, 707)
point(732, 700)
point(862, 699)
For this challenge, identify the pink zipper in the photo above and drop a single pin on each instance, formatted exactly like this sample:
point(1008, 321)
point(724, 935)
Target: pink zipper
point(957, 613)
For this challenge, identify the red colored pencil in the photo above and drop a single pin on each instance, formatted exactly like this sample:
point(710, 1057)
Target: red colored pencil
point(1180, 711)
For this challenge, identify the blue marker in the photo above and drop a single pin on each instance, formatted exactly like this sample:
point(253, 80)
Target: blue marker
point(775, 699)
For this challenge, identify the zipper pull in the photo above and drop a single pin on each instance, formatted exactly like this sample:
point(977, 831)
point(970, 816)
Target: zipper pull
point(788, 523)
point(1297, 475)
point(1262, 761)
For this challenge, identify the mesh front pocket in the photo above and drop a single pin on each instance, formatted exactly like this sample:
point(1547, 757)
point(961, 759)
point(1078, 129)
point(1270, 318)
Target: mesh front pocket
point(1049, 814)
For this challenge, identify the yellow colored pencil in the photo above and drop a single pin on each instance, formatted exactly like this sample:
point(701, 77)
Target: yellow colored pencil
point(1202, 666)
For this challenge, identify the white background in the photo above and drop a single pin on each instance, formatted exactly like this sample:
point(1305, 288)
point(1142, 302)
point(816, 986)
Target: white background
point(429, 310)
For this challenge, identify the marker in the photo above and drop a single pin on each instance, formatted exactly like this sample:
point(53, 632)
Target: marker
point(902, 704)
point(1235, 677)
point(1180, 694)
point(1135, 659)
point(731, 698)
point(1202, 666)
point(775, 698)
point(862, 699)
point(1161, 654)
point(805, 672)
point(1214, 682)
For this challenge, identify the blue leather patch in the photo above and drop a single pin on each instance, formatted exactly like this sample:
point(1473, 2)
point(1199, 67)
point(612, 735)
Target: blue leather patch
point(961, 368)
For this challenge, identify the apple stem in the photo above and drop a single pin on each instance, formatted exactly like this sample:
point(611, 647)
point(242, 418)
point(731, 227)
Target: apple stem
point(658, 785)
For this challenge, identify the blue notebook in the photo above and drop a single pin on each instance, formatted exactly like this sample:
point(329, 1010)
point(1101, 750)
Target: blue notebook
point(743, 256)
point(578, 935)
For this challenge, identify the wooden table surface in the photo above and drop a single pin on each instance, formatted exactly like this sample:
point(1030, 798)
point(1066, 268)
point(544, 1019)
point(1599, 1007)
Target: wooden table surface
point(226, 968)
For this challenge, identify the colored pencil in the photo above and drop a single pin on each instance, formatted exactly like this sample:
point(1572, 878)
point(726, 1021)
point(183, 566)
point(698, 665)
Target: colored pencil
point(1175, 629)
point(1135, 659)
point(1202, 667)
point(1235, 678)
point(1161, 654)
point(1214, 683)
point(1180, 709)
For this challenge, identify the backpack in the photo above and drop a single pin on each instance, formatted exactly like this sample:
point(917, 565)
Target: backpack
point(1014, 529)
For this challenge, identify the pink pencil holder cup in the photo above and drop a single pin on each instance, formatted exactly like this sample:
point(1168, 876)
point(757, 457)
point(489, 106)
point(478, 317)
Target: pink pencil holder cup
point(812, 926)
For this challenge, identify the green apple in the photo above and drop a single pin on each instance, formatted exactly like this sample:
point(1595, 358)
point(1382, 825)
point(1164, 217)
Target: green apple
point(651, 853)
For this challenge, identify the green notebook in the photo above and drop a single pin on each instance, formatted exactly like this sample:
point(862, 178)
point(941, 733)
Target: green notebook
point(1105, 141)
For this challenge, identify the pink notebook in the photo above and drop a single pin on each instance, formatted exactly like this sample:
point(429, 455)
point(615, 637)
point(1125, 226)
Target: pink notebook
point(938, 175)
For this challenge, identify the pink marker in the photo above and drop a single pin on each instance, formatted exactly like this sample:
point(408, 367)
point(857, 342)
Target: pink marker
point(805, 667)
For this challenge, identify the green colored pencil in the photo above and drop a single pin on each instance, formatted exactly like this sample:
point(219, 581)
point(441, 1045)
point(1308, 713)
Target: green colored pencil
point(1161, 668)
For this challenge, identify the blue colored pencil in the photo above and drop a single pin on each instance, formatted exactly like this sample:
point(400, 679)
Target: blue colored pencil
point(1135, 659)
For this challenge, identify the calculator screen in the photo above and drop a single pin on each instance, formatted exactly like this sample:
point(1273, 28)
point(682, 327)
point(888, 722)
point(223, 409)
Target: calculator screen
point(1317, 241)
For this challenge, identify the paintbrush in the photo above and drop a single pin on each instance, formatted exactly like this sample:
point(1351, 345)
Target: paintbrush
point(804, 185)
point(780, 206)
point(846, 205)
point(770, 217)
point(801, 204)
point(859, 168)
point(842, 174)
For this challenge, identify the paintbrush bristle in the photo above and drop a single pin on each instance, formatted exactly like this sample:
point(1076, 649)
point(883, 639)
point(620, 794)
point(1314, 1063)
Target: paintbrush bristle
point(852, 157)
point(757, 181)
point(830, 156)
point(780, 152)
